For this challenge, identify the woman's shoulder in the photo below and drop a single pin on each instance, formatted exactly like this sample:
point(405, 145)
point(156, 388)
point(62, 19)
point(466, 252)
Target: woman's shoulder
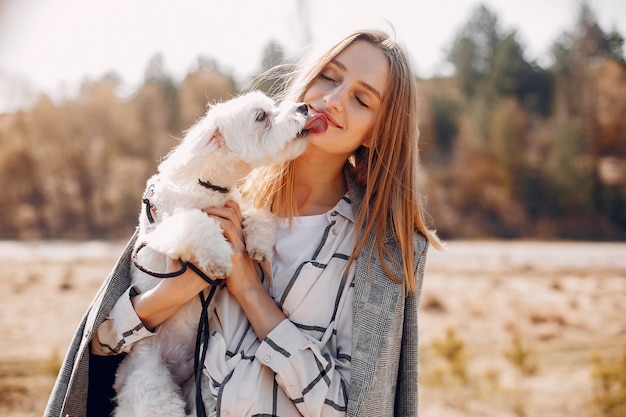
point(356, 190)
point(420, 242)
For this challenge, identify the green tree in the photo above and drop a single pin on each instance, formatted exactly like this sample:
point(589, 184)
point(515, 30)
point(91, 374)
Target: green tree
point(23, 197)
point(578, 56)
point(157, 75)
point(445, 112)
point(473, 49)
point(512, 75)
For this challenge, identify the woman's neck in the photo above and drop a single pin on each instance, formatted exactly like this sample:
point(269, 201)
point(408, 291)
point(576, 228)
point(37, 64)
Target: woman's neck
point(319, 186)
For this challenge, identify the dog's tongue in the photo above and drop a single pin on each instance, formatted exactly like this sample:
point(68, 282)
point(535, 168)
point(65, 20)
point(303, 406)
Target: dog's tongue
point(316, 123)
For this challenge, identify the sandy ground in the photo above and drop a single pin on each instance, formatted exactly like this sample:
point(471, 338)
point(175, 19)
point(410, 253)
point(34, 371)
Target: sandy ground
point(506, 328)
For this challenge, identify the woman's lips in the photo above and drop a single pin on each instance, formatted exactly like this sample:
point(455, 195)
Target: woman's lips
point(316, 123)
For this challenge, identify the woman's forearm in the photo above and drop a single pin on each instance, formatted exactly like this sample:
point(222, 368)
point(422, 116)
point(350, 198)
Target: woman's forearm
point(244, 284)
point(158, 304)
point(261, 310)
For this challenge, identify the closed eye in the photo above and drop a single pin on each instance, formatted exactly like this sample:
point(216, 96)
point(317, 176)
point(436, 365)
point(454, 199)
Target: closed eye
point(361, 102)
point(326, 77)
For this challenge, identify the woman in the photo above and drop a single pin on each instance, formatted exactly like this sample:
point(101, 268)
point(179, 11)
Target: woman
point(333, 331)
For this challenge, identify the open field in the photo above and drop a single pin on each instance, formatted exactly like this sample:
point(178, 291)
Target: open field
point(507, 328)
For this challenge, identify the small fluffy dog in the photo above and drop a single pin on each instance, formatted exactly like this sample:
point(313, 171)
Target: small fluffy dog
point(157, 377)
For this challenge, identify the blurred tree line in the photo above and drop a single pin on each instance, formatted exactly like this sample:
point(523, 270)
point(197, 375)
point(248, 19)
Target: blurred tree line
point(514, 149)
point(510, 148)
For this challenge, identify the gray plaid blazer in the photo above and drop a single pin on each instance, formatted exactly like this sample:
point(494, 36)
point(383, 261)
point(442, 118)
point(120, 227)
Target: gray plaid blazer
point(383, 377)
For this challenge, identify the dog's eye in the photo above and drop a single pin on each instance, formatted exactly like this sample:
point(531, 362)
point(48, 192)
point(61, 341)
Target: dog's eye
point(261, 116)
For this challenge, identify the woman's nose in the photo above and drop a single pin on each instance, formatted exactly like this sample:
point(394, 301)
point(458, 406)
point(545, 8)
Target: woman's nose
point(334, 98)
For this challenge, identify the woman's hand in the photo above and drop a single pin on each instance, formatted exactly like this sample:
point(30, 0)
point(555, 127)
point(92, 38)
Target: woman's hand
point(243, 275)
point(243, 282)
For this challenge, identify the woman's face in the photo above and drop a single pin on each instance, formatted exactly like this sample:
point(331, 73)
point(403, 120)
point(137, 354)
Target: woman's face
point(348, 92)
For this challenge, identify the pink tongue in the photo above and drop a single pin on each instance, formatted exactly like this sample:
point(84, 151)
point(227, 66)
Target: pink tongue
point(316, 123)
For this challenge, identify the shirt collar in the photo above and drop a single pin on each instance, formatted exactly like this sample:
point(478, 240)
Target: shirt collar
point(344, 208)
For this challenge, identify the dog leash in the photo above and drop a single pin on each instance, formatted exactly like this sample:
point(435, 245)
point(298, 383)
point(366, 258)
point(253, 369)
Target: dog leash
point(183, 265)
point(146, 200)
point(202, 335)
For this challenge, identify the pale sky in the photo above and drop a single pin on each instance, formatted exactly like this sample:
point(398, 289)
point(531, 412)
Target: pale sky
point(52, 45)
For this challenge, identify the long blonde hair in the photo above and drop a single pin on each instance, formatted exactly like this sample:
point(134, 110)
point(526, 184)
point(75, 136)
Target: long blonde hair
point(387, 169)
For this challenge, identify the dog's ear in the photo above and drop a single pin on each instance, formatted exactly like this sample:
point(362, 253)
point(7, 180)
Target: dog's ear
point(216, 139)
point(204, 137)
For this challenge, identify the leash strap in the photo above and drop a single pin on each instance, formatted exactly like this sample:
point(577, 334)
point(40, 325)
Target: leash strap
point(183, 266)
point(146, 201)
point(202, 336)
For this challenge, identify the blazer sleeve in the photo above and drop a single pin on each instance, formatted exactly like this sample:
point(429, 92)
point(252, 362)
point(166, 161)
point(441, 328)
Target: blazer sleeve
point(407, 388)
point(70, 391)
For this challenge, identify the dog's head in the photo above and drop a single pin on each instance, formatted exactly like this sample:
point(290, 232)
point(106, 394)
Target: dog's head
point(238, 135)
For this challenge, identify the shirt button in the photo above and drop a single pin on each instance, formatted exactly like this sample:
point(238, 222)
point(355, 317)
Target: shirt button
point(292, 388)
point(309, 265)
point(267, 358)
point(333, 213)
point(335, 232)
point(135, 332)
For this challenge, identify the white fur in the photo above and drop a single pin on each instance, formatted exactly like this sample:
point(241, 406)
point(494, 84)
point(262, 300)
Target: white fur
point(156, 377)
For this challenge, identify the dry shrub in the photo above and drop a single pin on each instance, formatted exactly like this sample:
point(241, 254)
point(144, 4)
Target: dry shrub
point(52, 365)
point(433, 304)
point(12, 395)
point(67, 281)
point(609, 378)
point(519, 354)
point(452, 349)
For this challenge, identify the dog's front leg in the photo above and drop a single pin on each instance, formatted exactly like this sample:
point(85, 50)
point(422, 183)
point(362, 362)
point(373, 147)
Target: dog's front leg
point(192, 236)
point(259, 226)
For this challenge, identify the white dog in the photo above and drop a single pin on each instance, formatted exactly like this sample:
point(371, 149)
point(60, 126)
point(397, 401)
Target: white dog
point(157, 377)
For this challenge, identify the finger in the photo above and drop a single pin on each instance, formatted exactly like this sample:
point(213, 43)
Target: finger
point(234, 237)
point(234, 209)
point(228, 211)
point(232, 204)
point(230, 225)
point(227, 219)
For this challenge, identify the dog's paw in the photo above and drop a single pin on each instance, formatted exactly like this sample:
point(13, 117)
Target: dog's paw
point(258, 255)
point(259, 226)
point(215, 257)
point(216, 271)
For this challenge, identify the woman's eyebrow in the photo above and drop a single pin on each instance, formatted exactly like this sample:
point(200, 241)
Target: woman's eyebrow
point(362, 83)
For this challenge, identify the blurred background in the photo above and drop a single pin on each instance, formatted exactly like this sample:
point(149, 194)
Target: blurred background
point(523, 104)
point(523, 123)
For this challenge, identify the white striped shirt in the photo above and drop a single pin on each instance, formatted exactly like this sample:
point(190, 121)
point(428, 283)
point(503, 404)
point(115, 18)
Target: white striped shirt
point(302, 367)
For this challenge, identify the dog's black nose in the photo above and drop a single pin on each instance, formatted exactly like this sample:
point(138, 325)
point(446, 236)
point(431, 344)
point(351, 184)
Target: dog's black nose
point(303, 108)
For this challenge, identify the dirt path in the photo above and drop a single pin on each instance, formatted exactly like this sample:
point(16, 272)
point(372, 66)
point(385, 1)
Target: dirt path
point(561, 302)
